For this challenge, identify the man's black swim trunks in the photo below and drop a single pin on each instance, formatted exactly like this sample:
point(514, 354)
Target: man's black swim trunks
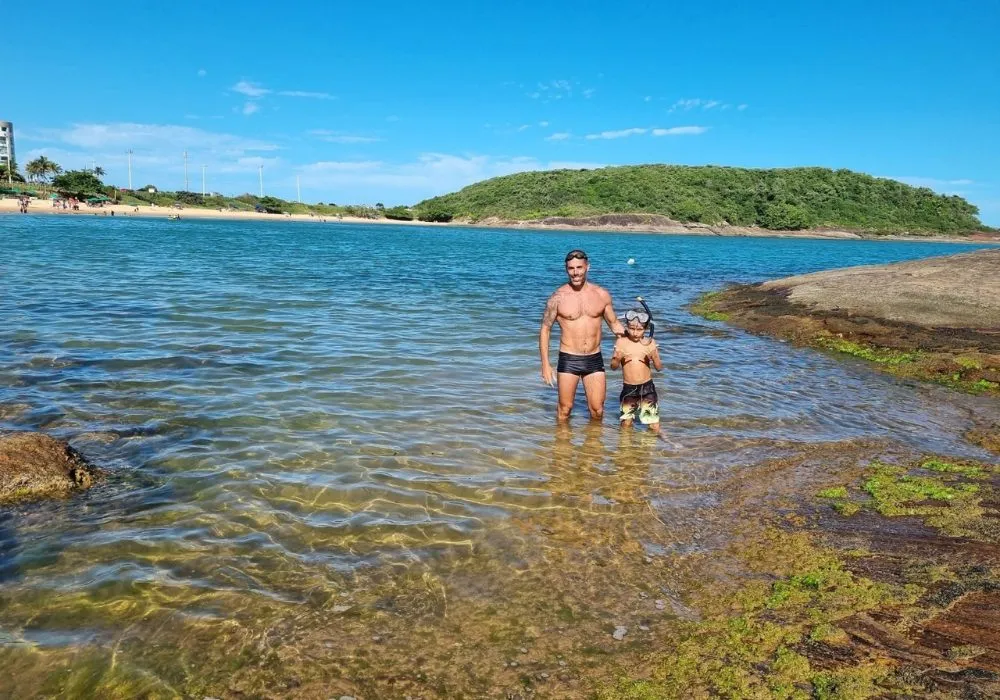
point(580, 365)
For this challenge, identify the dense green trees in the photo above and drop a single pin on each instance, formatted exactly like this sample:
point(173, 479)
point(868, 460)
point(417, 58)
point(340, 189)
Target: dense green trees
point(272, 205)
point(792, 198)
point(432, 210)
point(78, 183)
point(398, 213)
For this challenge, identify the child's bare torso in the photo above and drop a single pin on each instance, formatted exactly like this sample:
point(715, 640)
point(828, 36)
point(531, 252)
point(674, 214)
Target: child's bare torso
point(635, 360)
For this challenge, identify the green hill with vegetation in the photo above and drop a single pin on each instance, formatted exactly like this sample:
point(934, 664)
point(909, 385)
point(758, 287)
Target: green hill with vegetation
point(778, 199)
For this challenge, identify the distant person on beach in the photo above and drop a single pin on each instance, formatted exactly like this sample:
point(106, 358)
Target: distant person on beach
point(634, 353)
point(579, 306)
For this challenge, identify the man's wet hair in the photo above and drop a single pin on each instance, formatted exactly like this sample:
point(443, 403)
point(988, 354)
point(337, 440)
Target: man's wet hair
point(578, 254)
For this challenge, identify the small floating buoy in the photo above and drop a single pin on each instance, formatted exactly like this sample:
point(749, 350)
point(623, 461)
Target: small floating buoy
point(631, 261)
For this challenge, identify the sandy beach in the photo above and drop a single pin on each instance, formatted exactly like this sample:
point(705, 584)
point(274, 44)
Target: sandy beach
point(593, 224)
point(43, 207)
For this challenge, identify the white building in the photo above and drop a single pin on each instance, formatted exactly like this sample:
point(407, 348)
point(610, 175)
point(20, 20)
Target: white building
point(6, 144)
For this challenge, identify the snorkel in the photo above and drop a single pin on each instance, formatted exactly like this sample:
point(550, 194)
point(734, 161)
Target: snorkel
point(649, 314)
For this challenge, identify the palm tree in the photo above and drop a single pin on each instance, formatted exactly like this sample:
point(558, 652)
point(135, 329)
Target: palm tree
point(98, 171)
point(38, 169)
point(35, 169)
point(10, 174)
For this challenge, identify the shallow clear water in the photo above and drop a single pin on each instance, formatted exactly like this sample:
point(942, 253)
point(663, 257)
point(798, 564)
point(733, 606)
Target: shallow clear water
point(281, 402)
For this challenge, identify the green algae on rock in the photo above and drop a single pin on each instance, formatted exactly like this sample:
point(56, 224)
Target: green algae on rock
point(833, 492)
point(703, 306)
point(757, 642)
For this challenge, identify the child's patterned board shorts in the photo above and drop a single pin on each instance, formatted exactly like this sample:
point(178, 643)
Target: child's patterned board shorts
point(638, 402)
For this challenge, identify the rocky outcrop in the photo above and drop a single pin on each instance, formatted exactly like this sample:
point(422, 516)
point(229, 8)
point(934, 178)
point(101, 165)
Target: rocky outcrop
point(955, 291)
point(935, 319)
point(33, 465)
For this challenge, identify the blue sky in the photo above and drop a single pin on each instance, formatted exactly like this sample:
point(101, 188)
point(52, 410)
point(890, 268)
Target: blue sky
point(397, 101)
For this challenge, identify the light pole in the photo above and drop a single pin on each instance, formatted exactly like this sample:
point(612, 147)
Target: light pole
point(203, 180)
point(186, 188)
point(298, 190)
point(129, 152)
point(260, 174)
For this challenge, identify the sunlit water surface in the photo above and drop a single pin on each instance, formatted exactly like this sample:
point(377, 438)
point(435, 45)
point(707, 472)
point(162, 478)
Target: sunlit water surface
point(280, 403)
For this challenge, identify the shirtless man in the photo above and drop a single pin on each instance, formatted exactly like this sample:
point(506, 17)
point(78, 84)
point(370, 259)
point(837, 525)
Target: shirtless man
point(579, 307)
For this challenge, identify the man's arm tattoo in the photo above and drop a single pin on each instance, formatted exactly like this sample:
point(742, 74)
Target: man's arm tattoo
point(551, 311)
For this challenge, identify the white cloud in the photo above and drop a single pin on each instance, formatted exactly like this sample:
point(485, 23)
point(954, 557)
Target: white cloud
point(543, 124)
point(245, 87)
point(639, 131)
point(306, 93)
point(250, 108)
point(558, 89)
point(742, 107)
point(621, 133)
point(558, 136)
point(524, 127)
point(647, 98)
point(687, 105)
point(392, 118)
point(680, 131)
point(202, 73)
point(122, 135)
point(257, 91)
point(231, 159)
point(340, 137)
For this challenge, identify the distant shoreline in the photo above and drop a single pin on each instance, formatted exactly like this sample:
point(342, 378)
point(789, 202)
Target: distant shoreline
point(43, 208)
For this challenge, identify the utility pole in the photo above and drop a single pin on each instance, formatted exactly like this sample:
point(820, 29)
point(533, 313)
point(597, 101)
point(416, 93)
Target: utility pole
point(203, 180)
point(298, 190)
point(186, 188)
point(129, 152)
point(260, 174)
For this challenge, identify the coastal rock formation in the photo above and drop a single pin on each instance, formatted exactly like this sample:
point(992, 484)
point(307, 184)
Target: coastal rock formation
point(34, 465)
point(956, 291)
point(936, 319)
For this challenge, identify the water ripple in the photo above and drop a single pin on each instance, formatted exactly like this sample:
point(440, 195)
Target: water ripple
point(272, 400)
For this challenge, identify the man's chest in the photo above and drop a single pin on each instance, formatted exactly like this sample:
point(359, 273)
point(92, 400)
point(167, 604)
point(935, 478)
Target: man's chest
point(574, 307)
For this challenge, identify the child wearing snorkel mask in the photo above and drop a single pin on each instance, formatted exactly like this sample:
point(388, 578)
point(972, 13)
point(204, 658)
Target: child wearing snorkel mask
point(635, 353)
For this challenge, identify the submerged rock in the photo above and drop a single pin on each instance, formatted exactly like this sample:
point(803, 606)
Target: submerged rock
point(33, 465)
